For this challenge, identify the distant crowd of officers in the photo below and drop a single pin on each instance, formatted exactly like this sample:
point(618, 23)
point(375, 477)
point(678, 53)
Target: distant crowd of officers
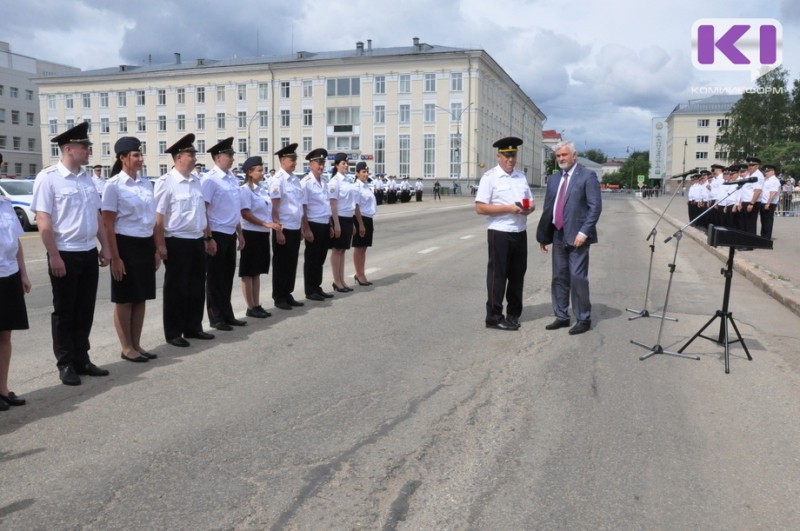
point(719, 198)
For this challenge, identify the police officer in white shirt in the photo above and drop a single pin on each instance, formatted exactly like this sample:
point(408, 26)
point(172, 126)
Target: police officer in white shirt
point(391, 190)
point(503, 196)
point(287, 210)
point(221, 194)
point(750, 194)
point(316, 225)
point(67, 208)
point(418, 189)
point(770, 195)
point(183, 238)
point(97, 179)
point(377, 187)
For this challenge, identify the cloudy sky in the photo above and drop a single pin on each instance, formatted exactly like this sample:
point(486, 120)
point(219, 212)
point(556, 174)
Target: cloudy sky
point(600, 71)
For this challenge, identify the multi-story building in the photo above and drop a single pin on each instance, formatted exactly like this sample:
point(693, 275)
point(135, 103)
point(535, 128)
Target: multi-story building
point(19, 111)
point(693, 129)
point(419, 111)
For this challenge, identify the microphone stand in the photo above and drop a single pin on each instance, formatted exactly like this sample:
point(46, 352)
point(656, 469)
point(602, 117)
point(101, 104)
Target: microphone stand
point(653, 234)
point(657, 348)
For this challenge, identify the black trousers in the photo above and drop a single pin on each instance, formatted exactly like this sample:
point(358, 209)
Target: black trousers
point(767, 220)
point(315, 255)
point(74, 297)
point(284, 264)
point(419, 195)
point(220, 270)
point(379, 197)
point(750, 219)
point(505, 274)
point(184, 287)
point(392, 197)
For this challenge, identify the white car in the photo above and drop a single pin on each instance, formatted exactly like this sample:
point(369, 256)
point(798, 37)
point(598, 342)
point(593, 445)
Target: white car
point(20, 192)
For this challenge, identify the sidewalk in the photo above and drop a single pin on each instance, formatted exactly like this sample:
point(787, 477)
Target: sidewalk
point(775, 271)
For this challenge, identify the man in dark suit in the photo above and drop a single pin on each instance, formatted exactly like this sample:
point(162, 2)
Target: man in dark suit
point(572, 206)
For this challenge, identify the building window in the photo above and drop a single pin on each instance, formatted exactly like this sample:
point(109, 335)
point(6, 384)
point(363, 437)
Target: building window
point(344, 143)
point(89, 123)
point(162, 97)
point(344, 118)
point(201, 122)
point(2, 116)
point(456, 82)
point(241, 119)
point(307, 88)
point(702, 122)
point(104, 100)
point(29, 118)
point(405, 113)
point(379, 152)
point(123, 125)
point(140, 98)
point(17, 143)
point(701, 155)
point(13, 92)
point(722, 122)
point(220, 120)
point(181, 122)
point(28, 94)
point(263, 91)
point(31, 144)
point(51, 102)
point(285, 90)
point(162, 123)
point(18, 168)
point(200, 94)
point(68, 102)
point(455, 156)
point(430, 82)
point(32, 169)
point(15, 117)
point(70, 123)
point(380, 85)
point(702, 139)
point(430, 113)
point(429, 156)
point(307, 118)
point(455, 111)
point(220, 93)
point(105, 126)
point(242, 145)
point(263, 145)
point(404, 84)
point(105, 148)
point(285, 117)
point(141, 124)
point(285, 141)
point(201, 146)
point(53, 149)
point(721, 155)
point(181, 96)
point(144, 148)
point(404, 167)
point(53, 127)
point(307, 144)
point(3, 142)
point(241, 92)
point(122, 99)
point(163, 169)
point(380, 114)
point(263, 119)
point(346, 86)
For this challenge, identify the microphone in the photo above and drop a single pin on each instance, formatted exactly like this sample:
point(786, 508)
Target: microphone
point(684, 174)
point(741, 181)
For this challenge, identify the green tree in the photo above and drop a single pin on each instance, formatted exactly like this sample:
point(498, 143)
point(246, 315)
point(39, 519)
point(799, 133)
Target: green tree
point(759, 118)
point(785, 155)
point(638, 163)
point(595, 155)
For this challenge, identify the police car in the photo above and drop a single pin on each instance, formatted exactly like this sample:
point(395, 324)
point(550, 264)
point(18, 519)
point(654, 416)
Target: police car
point(20, 192)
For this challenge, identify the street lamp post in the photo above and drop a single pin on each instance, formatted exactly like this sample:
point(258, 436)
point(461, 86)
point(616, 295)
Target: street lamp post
point(249, 128)
point(458, 133)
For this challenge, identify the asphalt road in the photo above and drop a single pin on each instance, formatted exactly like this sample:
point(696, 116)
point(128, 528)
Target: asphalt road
point(392, 407)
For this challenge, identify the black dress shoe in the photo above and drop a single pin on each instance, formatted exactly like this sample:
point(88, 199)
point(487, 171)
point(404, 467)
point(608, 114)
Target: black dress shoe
point(91, 369)
point(236, 322)
point(69, 376)
point(178, 342)
point(502, 325)
point(295, 303)
point(315, 297)
point(4, 406)
point(558, 323)
point(513, 320)
point(326, 294)
point(256, 312)
point(199, 335)
point(342, 290)
point(368, 283)
point(283, 305)
point(225, 327)
point(149, 355)
point(263, 311)
point(580, 327)
point(138, 359)
point(12, 400)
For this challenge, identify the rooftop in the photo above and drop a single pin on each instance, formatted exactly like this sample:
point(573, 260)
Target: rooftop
point(718, 104)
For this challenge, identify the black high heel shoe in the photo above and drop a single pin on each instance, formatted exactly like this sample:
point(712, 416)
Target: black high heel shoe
point(361, 283)
point(341, 290)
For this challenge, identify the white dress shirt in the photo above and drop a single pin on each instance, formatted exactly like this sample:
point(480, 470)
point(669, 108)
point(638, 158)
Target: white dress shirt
point(221, 193)
point(258, 202)
point(134, 203)
point(10, 231)
point(286, 187)
point(180, 200)
point(499, 188)
point(315, 198)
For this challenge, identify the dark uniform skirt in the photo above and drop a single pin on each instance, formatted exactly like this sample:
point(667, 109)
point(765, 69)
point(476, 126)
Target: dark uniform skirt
point(366, 239)
point(139, 282)
point(13, 313)
point(343, 241)
point(254, 258)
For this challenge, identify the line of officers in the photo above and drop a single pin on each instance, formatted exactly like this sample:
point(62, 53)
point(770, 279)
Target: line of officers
point(732, 204)
point(194, 226)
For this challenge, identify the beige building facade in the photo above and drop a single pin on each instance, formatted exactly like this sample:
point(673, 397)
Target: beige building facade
point(418, 111)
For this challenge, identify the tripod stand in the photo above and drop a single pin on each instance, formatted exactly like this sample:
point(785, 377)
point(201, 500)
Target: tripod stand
point(725, 317)
point(657, 348)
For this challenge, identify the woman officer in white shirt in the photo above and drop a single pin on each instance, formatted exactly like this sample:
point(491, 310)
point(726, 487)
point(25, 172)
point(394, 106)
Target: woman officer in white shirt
point(342, 194)
point(362, 237)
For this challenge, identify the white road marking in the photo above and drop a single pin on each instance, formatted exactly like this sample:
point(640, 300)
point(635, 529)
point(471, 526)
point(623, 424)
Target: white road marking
point(428, 250)
point(468, 236)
